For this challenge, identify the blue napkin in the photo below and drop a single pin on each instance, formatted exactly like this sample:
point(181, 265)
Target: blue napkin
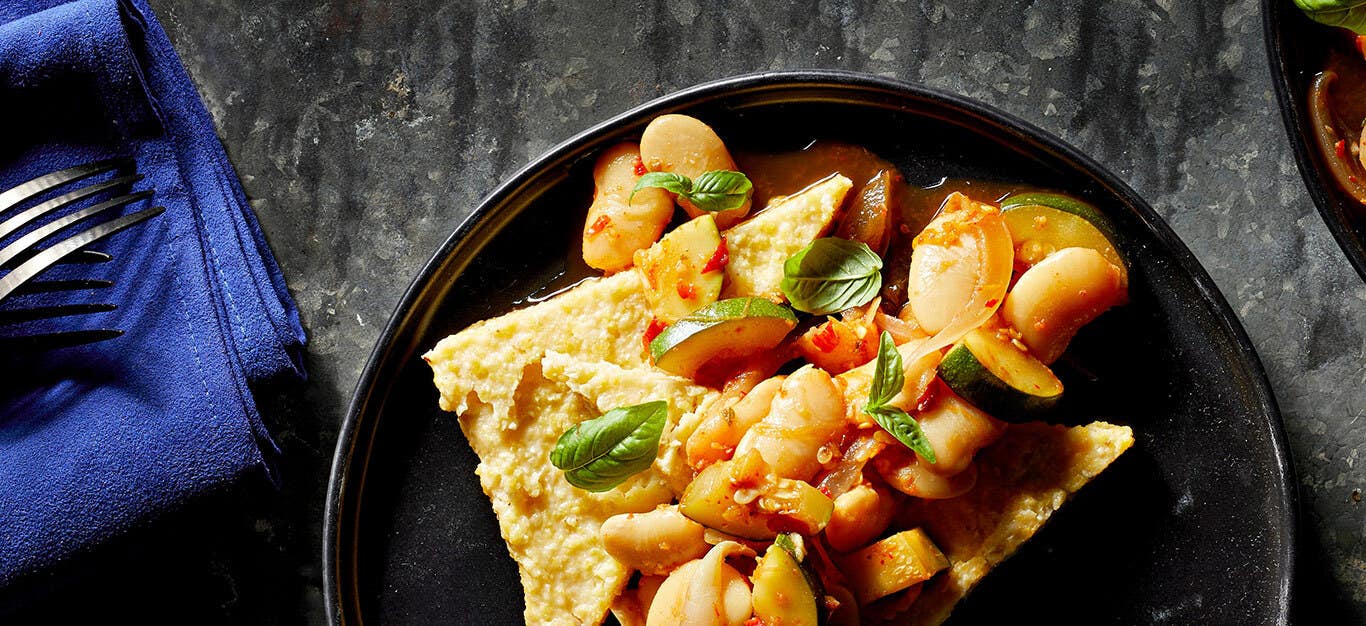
point(99, 438)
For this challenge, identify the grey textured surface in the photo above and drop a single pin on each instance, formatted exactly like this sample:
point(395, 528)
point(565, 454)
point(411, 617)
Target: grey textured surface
point(364, 131)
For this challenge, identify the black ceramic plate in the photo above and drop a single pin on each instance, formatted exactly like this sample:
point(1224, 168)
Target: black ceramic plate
point(1297, 47)
point(1193, 525)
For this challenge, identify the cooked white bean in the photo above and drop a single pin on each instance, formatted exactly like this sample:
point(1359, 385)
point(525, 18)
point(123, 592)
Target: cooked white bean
point(1056, 297)
point(716, 437)
point(860, 515)
point(686, 145)
point(806, 415)
point(633, 605)
point(618, 225)
point(956, 430)
point(909, 474)
point(705, 592)
point(960, 266)
point(655, 542)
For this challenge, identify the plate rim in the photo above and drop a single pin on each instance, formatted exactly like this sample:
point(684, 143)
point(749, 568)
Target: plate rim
point(343, 470)
point(1330, 210)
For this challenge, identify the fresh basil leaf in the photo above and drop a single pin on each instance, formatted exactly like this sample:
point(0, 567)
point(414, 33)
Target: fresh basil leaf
point(1350, 14)
point(888, 374)
point(717, 190)
point(888, 379)
point(720, 190)
point(601, 453)
point(667, 181)
point(831, 275)
point(906, 430)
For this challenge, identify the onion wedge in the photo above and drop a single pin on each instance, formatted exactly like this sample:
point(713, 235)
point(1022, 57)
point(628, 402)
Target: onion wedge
point(849, 472)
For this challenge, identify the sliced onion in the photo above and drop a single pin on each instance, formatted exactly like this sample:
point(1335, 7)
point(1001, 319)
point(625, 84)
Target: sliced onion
point(848, 473)
point(1326, 135)
point(901, 330)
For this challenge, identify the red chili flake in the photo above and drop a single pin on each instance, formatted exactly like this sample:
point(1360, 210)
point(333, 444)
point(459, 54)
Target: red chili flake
point(825, 489)
point(653, 331)
point(602, 222)
point(718, 259)
point(640, 168)
point(754, 621)
point(826, 339)
point(686, 290)
point(1341, 148)
point(992, 302)
point(1352, 178)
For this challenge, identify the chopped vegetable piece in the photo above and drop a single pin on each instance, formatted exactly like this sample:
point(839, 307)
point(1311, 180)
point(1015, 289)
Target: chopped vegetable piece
point(999, 377)
point(1043, 223)
point(674, 270)
point(873, 215)
point(742, 498)
point(893, 564)
point(784, 593)
point(837, 346)
point(728, 328)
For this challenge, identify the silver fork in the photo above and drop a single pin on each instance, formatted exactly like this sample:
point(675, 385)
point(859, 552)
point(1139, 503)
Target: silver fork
point(24, 259)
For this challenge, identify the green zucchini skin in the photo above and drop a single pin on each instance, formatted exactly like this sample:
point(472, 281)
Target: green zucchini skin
point(1064, 203)
point(968, 377)
point(1068, 204)
point(753, 313)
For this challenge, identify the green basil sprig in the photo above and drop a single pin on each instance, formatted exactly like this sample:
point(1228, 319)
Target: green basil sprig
point(1349, 14)
point(601, 453)
point(888, 378)
point(831, 275)
point(717, 190)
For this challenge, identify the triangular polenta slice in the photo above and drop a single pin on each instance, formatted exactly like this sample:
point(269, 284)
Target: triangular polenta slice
point(1022, 479)
point(550, 527)
point(520, 380)
point(608, 386)
point(759, 247)
point(603, 319)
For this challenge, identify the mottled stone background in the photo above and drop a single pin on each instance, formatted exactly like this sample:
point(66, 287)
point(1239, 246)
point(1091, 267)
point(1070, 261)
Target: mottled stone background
point(365, 130)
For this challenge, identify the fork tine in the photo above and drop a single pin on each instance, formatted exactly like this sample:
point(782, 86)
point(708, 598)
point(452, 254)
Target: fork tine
point(47, 312)
point(80, 256)
point(52, 341)
point(47, 257)
point(49, 286)
point(46, 230)
point(27, 190)
point(22, 219)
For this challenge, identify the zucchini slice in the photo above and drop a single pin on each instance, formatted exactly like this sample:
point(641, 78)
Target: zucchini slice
point(893, 564)
point(778, 503)
point(728, 328)
point(998, 377)
point(1043, 223)
point(785, 591)
point(678, 276)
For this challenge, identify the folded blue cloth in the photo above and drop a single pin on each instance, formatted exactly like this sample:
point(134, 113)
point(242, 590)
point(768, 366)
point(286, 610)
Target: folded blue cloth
point(98, 438)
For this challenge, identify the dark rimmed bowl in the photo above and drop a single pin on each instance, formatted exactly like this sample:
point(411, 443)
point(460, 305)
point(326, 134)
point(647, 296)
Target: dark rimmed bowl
point(1194, 525)
point(1296, 48)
